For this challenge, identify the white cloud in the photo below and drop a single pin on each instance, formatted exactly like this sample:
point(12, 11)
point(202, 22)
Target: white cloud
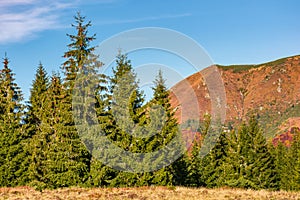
point(22, 19)
point(7, 3)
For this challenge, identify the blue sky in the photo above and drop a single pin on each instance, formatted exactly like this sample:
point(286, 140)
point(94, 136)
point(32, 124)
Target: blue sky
point(231, 31)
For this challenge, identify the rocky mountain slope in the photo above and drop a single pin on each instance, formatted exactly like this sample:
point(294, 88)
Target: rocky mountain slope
point(270, 90)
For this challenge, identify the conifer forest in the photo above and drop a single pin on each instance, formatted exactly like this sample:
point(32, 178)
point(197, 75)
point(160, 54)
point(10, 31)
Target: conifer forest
point(41, 145)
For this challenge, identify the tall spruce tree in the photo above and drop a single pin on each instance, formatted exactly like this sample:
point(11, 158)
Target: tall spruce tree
point(166, 130)
point(264, 173)
point(36, 109)
point(126, 112)
point(233, 158)
point(194, 161)
point(250, 157)
point(90, 106)
point(161, 125)
point(80, 59)
point(78, 51)
point(125, 104)
point(13, 134)
point(59, 159)
point(91, 90)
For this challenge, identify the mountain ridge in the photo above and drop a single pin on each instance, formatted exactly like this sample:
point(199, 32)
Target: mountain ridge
point(270, 90)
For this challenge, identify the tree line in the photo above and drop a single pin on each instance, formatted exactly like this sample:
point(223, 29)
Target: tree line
point(41, 146)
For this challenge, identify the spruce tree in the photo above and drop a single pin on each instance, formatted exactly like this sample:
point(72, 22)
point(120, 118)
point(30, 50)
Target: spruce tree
point(287, 160)
point(125, 90)
point(195, 162)
point(126, 112)
point(284, 165)
point(59, 159)
point(13, 134)
point(233, 158)
point(36, 109)
point(78, 51)
point(37, 96)
point(125, 104)
point(91, 103)
point(79, 59)
point(92, 117)
point(239, 146)
point(166, 130)
point(295, 161)
point(156, 119)
point(193, 167)
point(251, 159)
point(215, 170)
point(264, 173)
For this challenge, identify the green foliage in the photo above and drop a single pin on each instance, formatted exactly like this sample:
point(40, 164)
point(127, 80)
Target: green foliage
point(215, 171)
point(288, 164)
point(253, 165)
point(128, 115)
point(125, 107)
point(270, 120)
point(240, 68)
point(295, 169)
point(284, 166)
point(100, 175)
point(166, 129)
point(37, 94)
point(37, 98)
point(78, 52)
point(13, 135)
point(194, 167)
point(240, 159)
point(59, 159)
point(194, 162)
point(43, 146)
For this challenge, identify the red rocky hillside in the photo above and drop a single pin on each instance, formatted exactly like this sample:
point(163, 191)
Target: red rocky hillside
point(270, 90)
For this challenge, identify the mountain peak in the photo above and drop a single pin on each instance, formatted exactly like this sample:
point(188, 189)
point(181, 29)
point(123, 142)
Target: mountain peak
point(270, 90)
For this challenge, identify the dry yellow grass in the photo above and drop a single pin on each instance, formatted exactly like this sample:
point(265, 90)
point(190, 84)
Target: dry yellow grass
point(144, 193)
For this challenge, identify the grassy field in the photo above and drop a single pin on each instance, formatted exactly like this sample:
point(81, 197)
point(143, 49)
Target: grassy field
point(144, 193)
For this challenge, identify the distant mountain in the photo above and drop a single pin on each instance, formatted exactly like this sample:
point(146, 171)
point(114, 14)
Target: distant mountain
point(269, 90)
